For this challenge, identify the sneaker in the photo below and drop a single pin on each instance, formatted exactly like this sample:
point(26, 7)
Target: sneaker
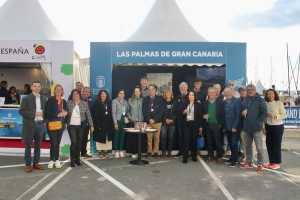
point(134, 156)
point(259, 168)
point(117, 154)
point(274, 166)
point(57, 164)
point(246, 165)
point(50, 164)
point(232, 164)
point(267, 165)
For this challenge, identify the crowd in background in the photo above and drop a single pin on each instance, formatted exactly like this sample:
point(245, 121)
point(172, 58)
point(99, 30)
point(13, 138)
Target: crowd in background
point(228, 119)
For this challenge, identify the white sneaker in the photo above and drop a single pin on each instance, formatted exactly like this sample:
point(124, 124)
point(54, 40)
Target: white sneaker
point(50, 164)
point(117, 154)
point(134, 156)
point(122, 154)
point(57, 164)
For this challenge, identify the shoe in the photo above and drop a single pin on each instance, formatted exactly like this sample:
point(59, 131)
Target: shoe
point(28, 169)
point(219, 161)
point(149, 154)
point(194, 159)
point(169, 154)
point(184, 161)
point(87, 156)
point(274, 166)
point(122, 154)
point(232, 164)
point(178, 154)
point(72, 164)
point(78, 163)
point(164, 154)
point(259, 168)
point(50, 164)
point(134, 156)
point(246, 166)
point(155, 155)
point(267, 165)
point(38, 167)
point(57, 164)
point(117, 155)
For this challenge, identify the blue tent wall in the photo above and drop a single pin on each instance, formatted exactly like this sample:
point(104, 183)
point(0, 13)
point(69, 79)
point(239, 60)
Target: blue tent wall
point(104, 55)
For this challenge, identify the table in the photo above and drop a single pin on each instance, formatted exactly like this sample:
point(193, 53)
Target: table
point(139, 160)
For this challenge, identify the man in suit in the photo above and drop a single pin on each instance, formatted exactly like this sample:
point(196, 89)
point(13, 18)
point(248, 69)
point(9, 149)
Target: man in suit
point(153, 109)
point(32, 110)
point(180, 103)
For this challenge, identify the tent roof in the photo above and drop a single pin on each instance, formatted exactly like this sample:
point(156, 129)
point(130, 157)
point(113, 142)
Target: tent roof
point(165, 22)
point(25, 20)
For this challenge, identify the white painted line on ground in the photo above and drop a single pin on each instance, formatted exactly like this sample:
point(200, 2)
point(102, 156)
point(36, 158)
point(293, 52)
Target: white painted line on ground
point(111, 179)
point(296, 153)
point(216, 180)
point(33, 186)
point(22, 165)
point(51, 184)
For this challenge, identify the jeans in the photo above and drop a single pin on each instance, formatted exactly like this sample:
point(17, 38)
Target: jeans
point(233, 139)
point(55, 138)
point(257, 138)
point(273, 141)
point(167, 137)
point(39, 130)
point(213, 136)
point(75, 132)
point(190, 139)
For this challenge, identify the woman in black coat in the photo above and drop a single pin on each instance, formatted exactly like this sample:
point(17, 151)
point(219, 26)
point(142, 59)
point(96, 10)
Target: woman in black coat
point(103, 122)
point(192, 126)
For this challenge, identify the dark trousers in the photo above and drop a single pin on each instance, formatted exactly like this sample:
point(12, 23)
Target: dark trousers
point(55, 138)
point(274, 135)
point(190, 139)
point(167, 137)
point(75, 133)
point(213, 136)
point(233, 140)
point(39, 130)
point(180, 130)
point(85, 137)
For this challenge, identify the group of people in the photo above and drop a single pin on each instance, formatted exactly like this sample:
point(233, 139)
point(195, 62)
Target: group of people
point(214, 114)
point(11, 94)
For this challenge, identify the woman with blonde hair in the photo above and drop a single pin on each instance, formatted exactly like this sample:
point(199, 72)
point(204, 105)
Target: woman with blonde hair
point(55, 113)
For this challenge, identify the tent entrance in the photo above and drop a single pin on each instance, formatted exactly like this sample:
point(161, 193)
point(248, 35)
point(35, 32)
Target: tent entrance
point(18, 74)
point(127, 76)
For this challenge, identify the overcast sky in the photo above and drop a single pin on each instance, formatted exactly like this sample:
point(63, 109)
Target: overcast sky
point(265, 25)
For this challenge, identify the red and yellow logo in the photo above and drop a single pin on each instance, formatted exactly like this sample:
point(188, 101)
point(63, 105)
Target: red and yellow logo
point(39, 49)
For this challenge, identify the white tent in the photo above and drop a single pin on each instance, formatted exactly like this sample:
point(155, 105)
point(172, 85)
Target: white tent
point(164, 23)
point(26, 20)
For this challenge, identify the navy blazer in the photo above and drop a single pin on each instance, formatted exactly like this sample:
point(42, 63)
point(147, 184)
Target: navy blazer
point(158, 109)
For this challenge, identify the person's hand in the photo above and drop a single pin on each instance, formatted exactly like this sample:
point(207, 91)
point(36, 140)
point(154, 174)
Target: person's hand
point(39, 114)
point(92, 129)
point(151, 121)
point(170, 121)
point(200, 131)
point(233, 130)
point(185, 111)
point(205, 116)
point(116, 127)
point(244, 113)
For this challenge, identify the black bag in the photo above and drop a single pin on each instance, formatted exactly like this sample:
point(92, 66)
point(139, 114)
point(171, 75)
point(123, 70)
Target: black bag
point(97, 135)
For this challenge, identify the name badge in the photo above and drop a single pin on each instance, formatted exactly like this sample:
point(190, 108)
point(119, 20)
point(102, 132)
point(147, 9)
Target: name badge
point(106, 113)
point(152, 110)
point(123, 113)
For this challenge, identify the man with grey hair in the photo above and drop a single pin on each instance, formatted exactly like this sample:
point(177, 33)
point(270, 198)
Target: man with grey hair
point(254, 112)
point(180, 103)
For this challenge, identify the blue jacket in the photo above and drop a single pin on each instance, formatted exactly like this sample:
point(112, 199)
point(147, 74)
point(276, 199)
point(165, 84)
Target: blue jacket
point(256, 114)
point(232, 114)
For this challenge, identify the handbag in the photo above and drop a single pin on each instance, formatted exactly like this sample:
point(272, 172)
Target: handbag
point(200, 143)
point(55, 125)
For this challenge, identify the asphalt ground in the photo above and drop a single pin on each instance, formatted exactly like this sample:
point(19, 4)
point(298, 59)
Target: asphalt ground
point(165, 179)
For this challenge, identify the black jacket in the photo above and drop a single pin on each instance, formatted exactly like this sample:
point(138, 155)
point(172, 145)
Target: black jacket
point(198, 114)
point(219, 111)
point(9, 100)
point(51, 109)
point(153, 109)
point(103, 122)
point(180, 102)
point(170, 112)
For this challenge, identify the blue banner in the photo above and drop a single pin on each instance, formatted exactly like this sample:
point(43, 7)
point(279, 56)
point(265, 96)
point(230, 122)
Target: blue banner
point(10, 123)
point(292, 116)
